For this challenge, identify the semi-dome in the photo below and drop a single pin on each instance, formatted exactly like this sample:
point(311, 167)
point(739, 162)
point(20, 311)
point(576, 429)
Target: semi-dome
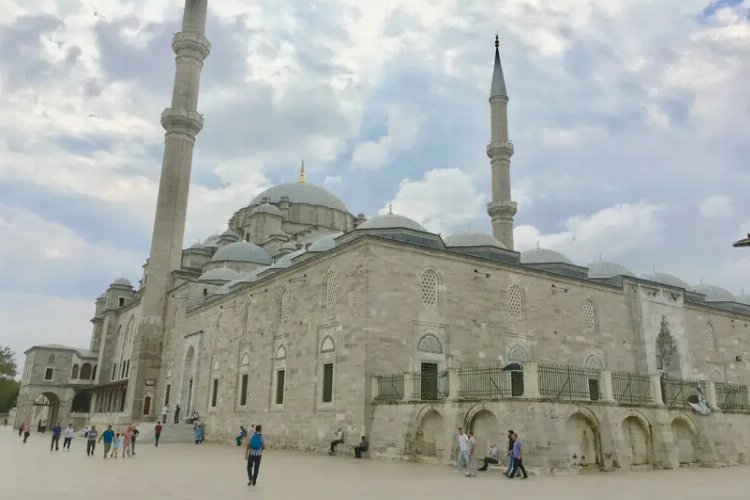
point(391, 221)
point(267, 208)
point(242, 251)
point(223, 274)
point(715, 293)
point(604, 269)
point(121, 282)
point(473, 239)
point(543, 256)
point(667, 279)
point(299, 192)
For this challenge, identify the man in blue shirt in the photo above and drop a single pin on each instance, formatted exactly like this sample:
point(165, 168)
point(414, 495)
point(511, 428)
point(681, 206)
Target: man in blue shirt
point(107, 436)
point(517, 458)
point(253, 453)
point(56, 431)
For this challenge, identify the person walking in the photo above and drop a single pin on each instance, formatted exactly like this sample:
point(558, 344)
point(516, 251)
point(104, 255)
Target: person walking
point(157, 433)
point(463, 450)
point(91, 441)
point(127, 438)
point(107, 436)
point(164, 413)
point(132, 440)
point(361, 447)
point(338, 439)
point(510, 452)
point(253, 453)
point(517, 458)
point(472, 472)
point(177, 414)
point(199, 434)
point(116, 443)
point(493, 454)
point(56, 432)
point(26, 432)
point(68, 434)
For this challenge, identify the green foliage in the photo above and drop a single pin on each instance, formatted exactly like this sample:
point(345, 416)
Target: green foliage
point(8, 394)
point(7, 363)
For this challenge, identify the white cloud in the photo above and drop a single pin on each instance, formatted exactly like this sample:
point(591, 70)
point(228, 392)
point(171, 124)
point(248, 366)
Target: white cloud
point(613, 231)
point(717, 206)
point(443, 200)
point(403, 127)
point(332, 181)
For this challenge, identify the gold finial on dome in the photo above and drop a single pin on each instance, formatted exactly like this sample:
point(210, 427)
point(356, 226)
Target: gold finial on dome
point(301, 179)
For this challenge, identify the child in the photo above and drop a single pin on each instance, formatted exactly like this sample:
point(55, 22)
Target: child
point(116, 445)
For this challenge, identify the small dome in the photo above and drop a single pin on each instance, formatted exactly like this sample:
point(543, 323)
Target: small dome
point(211, 241)
point(324, 243)
point(298, 192)
point(472, 239)
point(242, 251)
point(230, 234)
point(223, 274)
point(391, 221)
point(667, 279)
point(121, 282)
point(197, 246)
point(543, 256)
point(604, 269)
point(715, 293)
point(267, 208)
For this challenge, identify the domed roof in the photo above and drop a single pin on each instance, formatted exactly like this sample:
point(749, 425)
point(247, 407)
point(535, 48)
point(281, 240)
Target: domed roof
point(324, 243)
point(211, 241)
point(299, 192)
point(242, 251)
point(220, 274)
point(286, 260)
point(196, 246)
point(267, 208)
point(121, 282)
point(715, 293)
point(391, 221)
point(254, 275)
point(604, 269)
point(543, 256)
point(667, 279)
point(472, 239)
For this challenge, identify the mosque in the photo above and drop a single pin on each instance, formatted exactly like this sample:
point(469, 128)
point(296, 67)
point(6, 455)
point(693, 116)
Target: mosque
point(306, 317)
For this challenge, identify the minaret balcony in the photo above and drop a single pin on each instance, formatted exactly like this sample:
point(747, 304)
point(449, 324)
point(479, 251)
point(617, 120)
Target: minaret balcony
point(182, 121)
point(502, 209)
point(500, 149)
point(190, 43)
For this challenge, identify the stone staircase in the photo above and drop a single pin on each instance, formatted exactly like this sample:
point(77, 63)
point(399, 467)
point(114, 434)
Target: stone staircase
point(170, 433)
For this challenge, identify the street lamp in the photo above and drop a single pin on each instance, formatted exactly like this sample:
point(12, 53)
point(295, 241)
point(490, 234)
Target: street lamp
point(744, 242)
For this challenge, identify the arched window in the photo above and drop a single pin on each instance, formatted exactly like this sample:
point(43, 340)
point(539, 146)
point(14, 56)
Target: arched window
point(515, 302)
point(244, 375)
point(327, 345)
point(216, 365)
point(430, 283)
point(86, 372)
point(594, 363)
point(716, 376)
point(281, 352)
point(283, 304)
point(245, 361)
point(518, 354)
point(710, 337)
point(589, 315)
point(279, 380)
point(74, 374)
point(215, 383)
point(430, 343)
point(330, 288)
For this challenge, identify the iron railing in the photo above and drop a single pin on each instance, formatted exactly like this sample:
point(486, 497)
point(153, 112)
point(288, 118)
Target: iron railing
point(732, 397)
point(391, 387)
point(430, 386)
point(676, 392)
point(489, 382)
point(631, 388)
point(569, 383)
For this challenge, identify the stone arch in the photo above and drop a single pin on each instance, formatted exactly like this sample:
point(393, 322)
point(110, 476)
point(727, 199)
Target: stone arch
point(81, 402)
point(593, 362)
point(716, 376)
point(328, 344)
point(74, 372)
point(429, 432)
point(86, 373)
point(245, 360)
point(685, 438)
point(430, 343)
point(486, 429)
point(636, 432)
point(518, 354)
point(583, 440)
point(45, 411)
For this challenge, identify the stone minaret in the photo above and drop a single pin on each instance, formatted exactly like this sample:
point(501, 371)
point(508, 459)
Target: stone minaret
point(182, 122)
point(501, 209)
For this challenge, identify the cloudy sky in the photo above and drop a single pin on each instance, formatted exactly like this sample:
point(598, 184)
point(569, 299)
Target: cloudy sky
point(629, 120)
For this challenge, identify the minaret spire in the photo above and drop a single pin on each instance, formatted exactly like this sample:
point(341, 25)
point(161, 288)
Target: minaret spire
point(501, 209)
point(301, 178)
point(181, 122)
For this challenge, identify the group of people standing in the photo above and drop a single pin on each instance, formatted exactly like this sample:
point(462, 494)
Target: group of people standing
point(467, 455)
point(113, 441)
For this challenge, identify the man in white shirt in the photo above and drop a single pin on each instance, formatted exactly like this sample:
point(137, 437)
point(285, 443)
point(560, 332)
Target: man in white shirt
point(68, 435)
point(164, 413)
point(463, 450)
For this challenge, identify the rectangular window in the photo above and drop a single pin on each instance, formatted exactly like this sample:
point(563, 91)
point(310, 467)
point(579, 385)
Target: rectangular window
point(328, 382)
point(215, 393)
point(48, 373)
point(166, 395)
point(127, 368)
point(121, 301)
point(280, 387)
point(114, 371)
point(243, 390)
point(122, 401)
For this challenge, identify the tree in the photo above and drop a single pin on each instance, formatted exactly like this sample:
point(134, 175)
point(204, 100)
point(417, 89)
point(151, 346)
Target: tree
point(8, 394)
point(7, 363)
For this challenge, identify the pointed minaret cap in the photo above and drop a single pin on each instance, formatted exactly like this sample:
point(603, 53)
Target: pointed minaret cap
point(498, 80)
point(301, 178)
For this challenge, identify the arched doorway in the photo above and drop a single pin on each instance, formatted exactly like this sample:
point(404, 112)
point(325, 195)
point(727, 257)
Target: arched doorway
point(81, 402)
point(188, 375)
point(582, 441)
point(428, 435)
point(45, 411)
point(637, 442)
point(485, 427)
point(684, 438)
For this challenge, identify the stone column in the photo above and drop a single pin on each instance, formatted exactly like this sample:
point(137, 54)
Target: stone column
point(656, 397)
point(454, 384)
point(607, 394)
point(531, 380)
point(411, 392)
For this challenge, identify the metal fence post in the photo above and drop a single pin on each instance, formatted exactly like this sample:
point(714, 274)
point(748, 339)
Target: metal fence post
point(531, 380)
point(606, 379)
point(656, 397)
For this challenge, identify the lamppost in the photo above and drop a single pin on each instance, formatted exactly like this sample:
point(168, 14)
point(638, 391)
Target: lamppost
point(744, 242)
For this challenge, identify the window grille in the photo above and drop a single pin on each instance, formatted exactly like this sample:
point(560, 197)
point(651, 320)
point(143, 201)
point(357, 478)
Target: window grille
point(710, 337)
point(589, 315)
point(330, 289)
point(515, 302)
point(430, 288)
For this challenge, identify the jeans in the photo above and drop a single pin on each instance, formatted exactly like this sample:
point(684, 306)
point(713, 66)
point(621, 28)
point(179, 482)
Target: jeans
point(510, 463)
point(90, 445)
point(26, 436)
point(55, 443)
point(472, 465)
point(107, 447)
point(518, 464)
point(66, 442)
point(156, 439)
point(463, 458)
point(253, 467)
point(132, 444)
point(335, 443)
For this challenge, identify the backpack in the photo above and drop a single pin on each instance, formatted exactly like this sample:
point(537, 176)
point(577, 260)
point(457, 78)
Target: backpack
point(256, 441)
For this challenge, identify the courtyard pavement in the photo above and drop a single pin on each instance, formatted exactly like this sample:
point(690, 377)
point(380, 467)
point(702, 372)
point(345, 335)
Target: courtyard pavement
point(217, 472)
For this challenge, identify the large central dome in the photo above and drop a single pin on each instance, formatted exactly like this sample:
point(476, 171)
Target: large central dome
point(298, 192)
